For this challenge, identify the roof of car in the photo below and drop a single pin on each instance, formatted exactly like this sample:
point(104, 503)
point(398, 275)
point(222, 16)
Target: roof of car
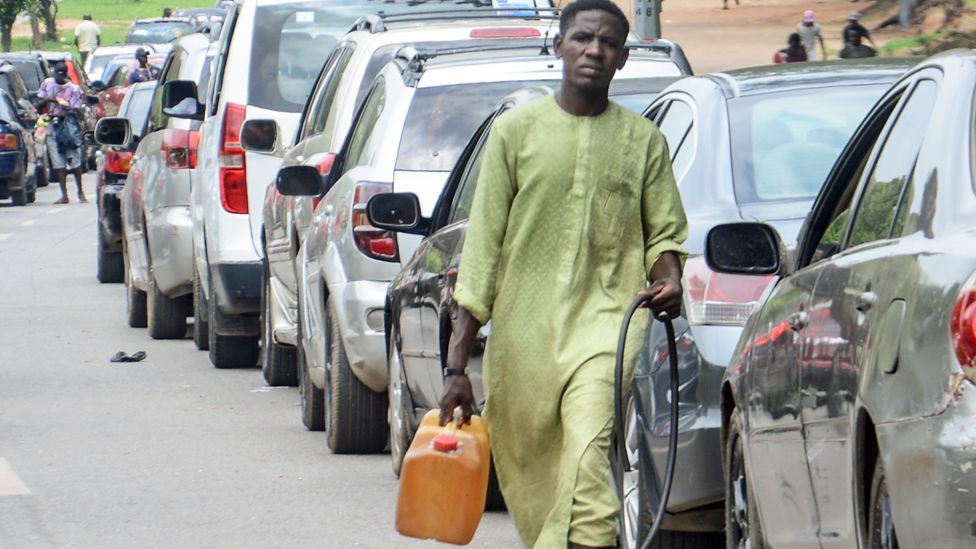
point(163, 20)
point(766, 78)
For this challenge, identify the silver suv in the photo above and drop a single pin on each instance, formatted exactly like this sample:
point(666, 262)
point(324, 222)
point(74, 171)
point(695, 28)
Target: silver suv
point(344, 81)
point(416, 119)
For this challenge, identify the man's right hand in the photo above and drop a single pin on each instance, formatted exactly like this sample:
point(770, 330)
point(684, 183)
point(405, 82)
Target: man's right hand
point(457, 392)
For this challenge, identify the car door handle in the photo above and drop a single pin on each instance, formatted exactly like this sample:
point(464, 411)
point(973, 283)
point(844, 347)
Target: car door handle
point(865, 301)
point(799, 321)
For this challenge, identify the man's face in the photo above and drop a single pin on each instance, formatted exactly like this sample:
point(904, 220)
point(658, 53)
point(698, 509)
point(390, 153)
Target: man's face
point(143, 59)
point(60, 76)
point(592, 50)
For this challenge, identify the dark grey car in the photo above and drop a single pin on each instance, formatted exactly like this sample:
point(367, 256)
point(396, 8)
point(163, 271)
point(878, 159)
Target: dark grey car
point(750, 144)
point(848, 408)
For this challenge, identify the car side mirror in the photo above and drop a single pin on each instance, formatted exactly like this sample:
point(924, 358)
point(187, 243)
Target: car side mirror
point(744, 248)
point(180, 100)
point(98, 86)
point(299, 180)
point(398, 212)
point(92, 100)
point(113, 131)
point(259, 135)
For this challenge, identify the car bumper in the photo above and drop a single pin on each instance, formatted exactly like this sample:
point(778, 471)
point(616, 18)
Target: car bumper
point(703, 353)
point(110, 216)
point(929, 464)
point(12, 169)
point(237, 287)
point(359, 306)
point(171, 248)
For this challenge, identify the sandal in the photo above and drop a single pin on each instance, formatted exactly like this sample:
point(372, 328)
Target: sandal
point(62, 200)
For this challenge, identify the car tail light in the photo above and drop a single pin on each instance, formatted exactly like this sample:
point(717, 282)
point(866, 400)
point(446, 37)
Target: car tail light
point(373, 242)
point(8, 141)
point(323, 163)
point(118, 162)
point(233, 171)
point(716, 298)
point(962, 327)
point(516, 32)
point(180, 148)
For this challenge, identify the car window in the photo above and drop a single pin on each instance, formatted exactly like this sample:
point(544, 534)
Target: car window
point(361, 134)
point(137, 111)
point(98, 64)
point(677, 125)
point(119, 76)
point(461, 208)
point(892, 170)
point(30, 71)
point(331, 76)
point(171, 71)
point(784, 143)
point(8, 112)
point(290, 44)
point(158, 32)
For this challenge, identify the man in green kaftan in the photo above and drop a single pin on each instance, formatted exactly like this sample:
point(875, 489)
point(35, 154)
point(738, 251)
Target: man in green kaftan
point(576, 210)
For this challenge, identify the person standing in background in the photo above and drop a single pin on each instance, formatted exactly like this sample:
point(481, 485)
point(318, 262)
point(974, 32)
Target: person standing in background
point(854, 25)
point(854, 49)
point(167, 12)
point(87, 37)
point(809, 32)
point(144, 72)
point(793, 53)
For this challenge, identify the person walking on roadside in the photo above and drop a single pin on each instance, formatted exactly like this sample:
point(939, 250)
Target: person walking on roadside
point(167, 13)
point(725, 4)
point(853, 24)
point(144, 72)
point(87, 37)
point(854, 49)
point(575, 211)
point(792, 53)
point(809, 32)
point(61, 99)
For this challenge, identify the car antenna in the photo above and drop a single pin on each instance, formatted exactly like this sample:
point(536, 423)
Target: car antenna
point(545, 39)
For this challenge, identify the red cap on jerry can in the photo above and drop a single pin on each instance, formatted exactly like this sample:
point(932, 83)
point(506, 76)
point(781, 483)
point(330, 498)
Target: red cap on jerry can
point(445, 442)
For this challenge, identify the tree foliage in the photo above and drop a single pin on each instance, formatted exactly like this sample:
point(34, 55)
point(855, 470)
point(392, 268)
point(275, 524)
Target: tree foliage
point(9, 10)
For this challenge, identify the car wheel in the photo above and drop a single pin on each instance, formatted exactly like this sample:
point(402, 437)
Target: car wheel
point(229, 351)
point(40, 175)
point(166, 316)
point(398, 394)
point(277, 361)
point(110, 267)
point(32, 190)
point(742, 528)
point(19, 197)
point(313, 398)
point(356, 416)
point(636, 516)
point(135, 299)
point(881, 525)
point(201, 328)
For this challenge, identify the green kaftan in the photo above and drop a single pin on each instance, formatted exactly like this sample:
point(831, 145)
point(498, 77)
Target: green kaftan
point(570, 214)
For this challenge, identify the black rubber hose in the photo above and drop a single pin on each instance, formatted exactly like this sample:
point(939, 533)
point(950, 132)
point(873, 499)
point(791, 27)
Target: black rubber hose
point(624, 465)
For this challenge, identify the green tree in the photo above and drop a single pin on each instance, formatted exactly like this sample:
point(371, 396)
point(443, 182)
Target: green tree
point(9, 10)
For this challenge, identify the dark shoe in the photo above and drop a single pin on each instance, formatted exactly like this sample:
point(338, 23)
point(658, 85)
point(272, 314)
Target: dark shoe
point(62, 200)
point(82, 199)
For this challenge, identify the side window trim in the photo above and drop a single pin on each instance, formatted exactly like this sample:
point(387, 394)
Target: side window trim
point(340, 161)
point(311, 103)
point(220, 62)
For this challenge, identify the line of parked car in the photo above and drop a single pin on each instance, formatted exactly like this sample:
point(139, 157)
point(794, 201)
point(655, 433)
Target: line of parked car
point(300, 186)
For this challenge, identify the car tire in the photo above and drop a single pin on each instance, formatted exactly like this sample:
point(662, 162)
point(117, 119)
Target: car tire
point(742, 527)
point(229, 351)
point(166, 316)
point(881, 526)
point(312, 398)
point(110, 265)
point(398, 395)
point(32, 190)
point(40, 175)
point(135, 302)
point(201, 328)
point(356, 416)
point(278, 362)
point(19, 197)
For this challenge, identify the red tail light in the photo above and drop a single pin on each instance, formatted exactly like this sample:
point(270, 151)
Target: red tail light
point(373, 242)
point(715, 298)
point(118, 162)
point(517, 32)
point(323, 163)
point(8, 141)
point(233, 171)
point(180, 148)
point(962, 327)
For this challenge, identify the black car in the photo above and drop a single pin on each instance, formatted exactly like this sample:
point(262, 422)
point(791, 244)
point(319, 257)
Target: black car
point(17, 162)
point(113, 168)
point(13, 83)
point(32, 67)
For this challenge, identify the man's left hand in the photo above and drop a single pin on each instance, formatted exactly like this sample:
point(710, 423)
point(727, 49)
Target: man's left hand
point(665, 294)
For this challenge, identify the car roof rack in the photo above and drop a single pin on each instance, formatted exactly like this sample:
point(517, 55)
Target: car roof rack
point(414, 58)
point(667, 47)
point(378, 22)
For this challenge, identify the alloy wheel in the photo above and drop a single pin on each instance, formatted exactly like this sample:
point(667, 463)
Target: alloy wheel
point(739, 489)
point(398, 422)
point(631, 478)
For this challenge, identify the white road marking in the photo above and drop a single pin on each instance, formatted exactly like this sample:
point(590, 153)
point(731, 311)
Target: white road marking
point(266, 389)
point(28, 222)
point(56, 210)
point(5, 236)
point(10, 483)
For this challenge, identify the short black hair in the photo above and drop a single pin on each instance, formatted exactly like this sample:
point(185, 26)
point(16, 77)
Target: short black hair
point(568, 15)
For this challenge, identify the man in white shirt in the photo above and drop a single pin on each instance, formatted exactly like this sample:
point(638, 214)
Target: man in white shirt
point(87, 37)
point(809, 32)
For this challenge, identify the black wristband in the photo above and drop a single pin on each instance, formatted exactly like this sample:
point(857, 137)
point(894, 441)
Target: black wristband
point(455, 372)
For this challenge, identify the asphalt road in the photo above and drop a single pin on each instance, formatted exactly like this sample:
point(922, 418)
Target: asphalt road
point(168, 452)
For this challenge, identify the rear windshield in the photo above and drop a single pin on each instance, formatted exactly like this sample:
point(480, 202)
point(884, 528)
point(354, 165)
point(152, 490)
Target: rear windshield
point(6, 114)
point(138, 109)
point(12, 83)
point(784, 144)
point(98, 64)
point(30, 71)
point(442, 119)
point(159, 33)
